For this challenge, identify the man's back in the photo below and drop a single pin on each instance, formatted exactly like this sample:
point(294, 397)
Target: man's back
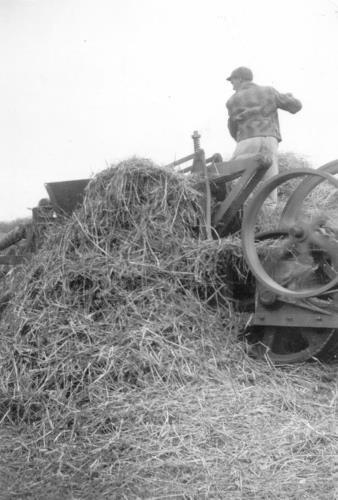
point(253, 111)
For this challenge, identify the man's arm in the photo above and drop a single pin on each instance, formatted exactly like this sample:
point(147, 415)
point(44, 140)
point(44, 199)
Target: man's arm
point(287, 102)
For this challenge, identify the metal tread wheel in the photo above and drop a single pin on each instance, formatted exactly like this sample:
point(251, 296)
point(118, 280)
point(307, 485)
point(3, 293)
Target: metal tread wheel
point(284, 344)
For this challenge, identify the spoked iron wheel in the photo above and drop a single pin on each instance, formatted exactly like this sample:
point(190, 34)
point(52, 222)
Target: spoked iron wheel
point(283, 344)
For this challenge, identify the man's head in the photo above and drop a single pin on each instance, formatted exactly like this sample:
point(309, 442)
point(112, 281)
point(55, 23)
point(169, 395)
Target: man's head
point(239, 76)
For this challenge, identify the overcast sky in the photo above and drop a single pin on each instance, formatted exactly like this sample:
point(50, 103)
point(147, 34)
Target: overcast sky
point(84, 83)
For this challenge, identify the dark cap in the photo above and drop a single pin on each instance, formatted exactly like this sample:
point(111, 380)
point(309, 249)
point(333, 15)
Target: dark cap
point(241, 72)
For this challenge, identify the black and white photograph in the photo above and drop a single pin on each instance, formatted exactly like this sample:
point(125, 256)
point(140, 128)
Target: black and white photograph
point(168, 250)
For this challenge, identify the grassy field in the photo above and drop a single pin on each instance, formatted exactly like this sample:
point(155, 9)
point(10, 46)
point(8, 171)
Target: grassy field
point(122, 375)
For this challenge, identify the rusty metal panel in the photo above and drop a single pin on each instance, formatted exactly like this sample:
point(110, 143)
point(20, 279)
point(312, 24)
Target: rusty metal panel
point(66, 195)
point(292, 315)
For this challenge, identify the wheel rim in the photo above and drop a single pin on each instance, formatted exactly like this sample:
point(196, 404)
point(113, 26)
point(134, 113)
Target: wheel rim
point(295, 201)
point(248, 233)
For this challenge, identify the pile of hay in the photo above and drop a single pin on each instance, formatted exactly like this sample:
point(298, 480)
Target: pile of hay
point(119, 295)
point(121, 373)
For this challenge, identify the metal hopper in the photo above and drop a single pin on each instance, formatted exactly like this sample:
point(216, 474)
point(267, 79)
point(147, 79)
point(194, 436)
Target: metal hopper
point(66, 195)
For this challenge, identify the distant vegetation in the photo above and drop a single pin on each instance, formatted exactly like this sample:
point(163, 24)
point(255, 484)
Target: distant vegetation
point(6, 226)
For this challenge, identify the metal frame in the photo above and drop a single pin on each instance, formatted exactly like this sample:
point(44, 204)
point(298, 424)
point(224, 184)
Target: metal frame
point(215, 171)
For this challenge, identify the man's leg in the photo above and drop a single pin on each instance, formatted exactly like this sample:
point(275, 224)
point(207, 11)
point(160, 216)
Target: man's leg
point(269, 148)
point(247, 148)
